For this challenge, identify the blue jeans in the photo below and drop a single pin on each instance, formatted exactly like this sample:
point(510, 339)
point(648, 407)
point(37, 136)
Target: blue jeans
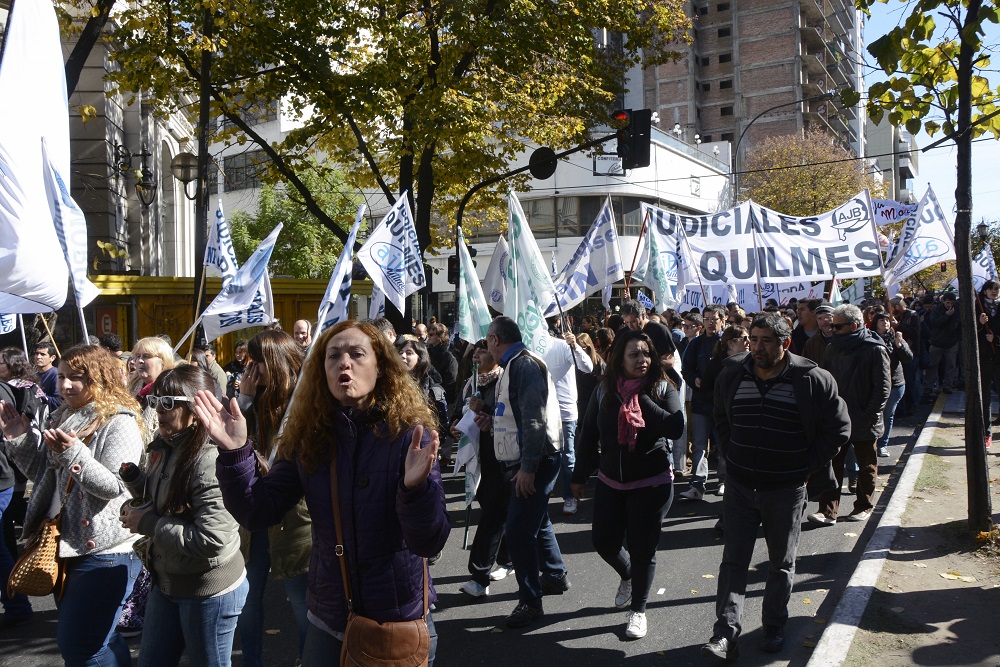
point(779, 511)
point(204, 627)
point(19, 606)
point(95, 590)
point(323, 649)
point(295, 589)
point(703, 428)
point(251, 622)
point(531, 541)
point(889, 412)
point(567, 457)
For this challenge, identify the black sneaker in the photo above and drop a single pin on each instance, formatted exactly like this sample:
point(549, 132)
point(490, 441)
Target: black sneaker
point(523, 615)
point(720, 648)
point(773, 639)
point(555, 586)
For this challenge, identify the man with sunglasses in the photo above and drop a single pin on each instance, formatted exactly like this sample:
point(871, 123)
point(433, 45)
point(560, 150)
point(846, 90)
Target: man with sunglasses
point(859, 362)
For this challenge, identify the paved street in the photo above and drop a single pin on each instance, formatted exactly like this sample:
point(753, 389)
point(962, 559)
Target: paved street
point(581, 627)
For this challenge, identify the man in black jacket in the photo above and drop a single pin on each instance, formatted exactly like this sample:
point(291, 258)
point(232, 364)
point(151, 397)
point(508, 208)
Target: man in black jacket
point(702, 428)
point(908, 323)
point(779, 419)
point(859, 362)
point(944, 339)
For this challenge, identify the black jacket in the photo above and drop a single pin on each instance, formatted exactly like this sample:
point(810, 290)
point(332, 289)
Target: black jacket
point(859, 362)
point(447, 367)
point(945, 328)
point(6, 469)
point(597, 440)
point(695, 364)
point(824, 415)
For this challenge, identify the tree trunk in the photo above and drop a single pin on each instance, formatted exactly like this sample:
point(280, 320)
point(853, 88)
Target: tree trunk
point(980, 506)
point(85, 44)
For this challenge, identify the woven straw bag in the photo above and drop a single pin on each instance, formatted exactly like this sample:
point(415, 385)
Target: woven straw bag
point(39, 570)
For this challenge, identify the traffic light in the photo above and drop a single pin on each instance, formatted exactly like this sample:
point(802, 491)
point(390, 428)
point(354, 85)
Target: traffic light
point(633, 130)
point(944, 267)
point(453, 269)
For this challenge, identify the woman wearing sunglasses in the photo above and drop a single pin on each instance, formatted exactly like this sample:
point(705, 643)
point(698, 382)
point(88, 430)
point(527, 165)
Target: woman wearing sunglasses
point(199, 582)
point(74, 466)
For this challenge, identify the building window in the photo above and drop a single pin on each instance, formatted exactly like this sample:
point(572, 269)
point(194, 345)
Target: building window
point(703, 11)
point(541, 217)
point(725, 84)
point(727, 136)
point(723, 7)
point(213, 178)
point(726, 111)
point(725, 58)
point(705, 87)
point(725, 32)
point(242, 171)
point(255, 113)
point(704, 61)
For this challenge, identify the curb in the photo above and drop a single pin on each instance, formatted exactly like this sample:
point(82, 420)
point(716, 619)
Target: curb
point(832, 648)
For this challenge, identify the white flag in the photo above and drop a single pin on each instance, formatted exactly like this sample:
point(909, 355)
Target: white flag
point(219, 253)
point(495, 282)
point(855, 293)
point(246, 300)
point(71, 229)
point(933, 242)
point(376, 305)
point(334, 306)
point(530, 285)
point(596, 263)
point(984, 268)
point(8, 324)
point(473, 315)
point(654, 268)
point(33, 90)
point(391, 255)
point(836, 298)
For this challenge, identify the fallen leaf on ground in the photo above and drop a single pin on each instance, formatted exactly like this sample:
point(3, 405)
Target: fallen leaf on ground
point(708, 576)
point(920, 565)
point(850, 534)
point(694, 592)
point(928, 500)
point(957, 576)
point(271, 632)
point(806, 601)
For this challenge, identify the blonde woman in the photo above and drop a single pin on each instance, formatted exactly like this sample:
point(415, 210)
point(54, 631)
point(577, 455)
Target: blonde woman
point(152, 356)
point(85, 444)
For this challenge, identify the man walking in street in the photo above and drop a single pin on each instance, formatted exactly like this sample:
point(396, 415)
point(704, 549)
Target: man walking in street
point(944, 339)
point(908, 324)
point(859, 361)
point(527, 435)
point(780, 419)
point(702, 428)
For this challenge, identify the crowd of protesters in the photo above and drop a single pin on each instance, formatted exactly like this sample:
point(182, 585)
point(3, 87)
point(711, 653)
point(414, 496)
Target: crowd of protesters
point(184, 485)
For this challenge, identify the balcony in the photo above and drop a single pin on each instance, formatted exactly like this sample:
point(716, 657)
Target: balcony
point(814, 88)
point(813, 38)
point(813, 65)
point(813, 10)
point(905, 167)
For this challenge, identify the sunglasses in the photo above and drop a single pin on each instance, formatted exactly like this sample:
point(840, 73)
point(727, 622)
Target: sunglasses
point(166, 403)
point(838, 327)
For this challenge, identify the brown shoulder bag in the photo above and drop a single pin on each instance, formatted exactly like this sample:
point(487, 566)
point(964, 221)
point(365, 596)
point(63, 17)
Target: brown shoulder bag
point(39, 571)
point(368, 643)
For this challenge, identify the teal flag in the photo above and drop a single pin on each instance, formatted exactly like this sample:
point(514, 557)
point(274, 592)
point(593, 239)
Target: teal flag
point(473, 314)
point(529, 284)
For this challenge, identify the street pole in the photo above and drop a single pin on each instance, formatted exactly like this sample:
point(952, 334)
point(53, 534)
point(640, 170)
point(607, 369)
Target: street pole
point(201, 197)
point(829, 95)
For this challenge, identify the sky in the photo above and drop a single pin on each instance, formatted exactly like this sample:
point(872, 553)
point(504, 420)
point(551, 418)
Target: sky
point(938, 165)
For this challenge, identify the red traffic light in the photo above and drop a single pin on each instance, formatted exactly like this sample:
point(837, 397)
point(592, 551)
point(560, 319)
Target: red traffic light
point(621, 118)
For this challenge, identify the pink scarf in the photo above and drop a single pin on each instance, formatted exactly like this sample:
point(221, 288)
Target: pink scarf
point(630, 415)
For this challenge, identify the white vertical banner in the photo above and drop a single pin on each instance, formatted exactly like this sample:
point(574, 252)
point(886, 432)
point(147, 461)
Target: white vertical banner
point(495, 281)
point(596, 263)
point(530, 285)
point(334, 306)
point(8, 323)
point(473, 315)
point(855, 293)
point(71, 230)
point(932, 242)
point(376, 305)
point(391, 255)
point(220, 256)
point(33, 90)
point(983, 268)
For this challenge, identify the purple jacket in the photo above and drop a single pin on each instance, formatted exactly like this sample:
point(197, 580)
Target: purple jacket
point(387, 531)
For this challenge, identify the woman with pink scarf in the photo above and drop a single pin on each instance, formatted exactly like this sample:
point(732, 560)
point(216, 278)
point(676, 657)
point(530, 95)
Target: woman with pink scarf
point(632, 417)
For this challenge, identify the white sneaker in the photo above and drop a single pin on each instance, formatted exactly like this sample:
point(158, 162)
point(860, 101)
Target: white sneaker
point(821, 519)
point(624, 594)
point(693, 494)
point(570, 506)
point(474, 588)
point(721, 491)
point(635, 625)
point(501, 572)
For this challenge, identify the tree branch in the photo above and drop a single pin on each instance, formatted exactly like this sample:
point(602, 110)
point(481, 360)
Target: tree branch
point(81, 50)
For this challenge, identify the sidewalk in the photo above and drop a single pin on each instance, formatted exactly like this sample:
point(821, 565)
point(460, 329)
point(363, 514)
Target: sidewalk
point(936, 594)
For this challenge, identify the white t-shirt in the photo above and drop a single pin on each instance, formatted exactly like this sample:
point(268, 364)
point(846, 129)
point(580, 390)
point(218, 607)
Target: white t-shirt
point(559, 360)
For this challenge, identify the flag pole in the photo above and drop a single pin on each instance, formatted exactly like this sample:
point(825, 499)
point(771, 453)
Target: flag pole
point(24, 340)
point(83, 322)
point(697, 274)
point(635, 255)
point(52, 338)
point(188, 333)
point(197, 307)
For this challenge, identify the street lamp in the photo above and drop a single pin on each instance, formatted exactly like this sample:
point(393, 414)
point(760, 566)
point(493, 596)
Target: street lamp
point(828, 95)
point(145, 183)
point(983, 230)
point(184, 167)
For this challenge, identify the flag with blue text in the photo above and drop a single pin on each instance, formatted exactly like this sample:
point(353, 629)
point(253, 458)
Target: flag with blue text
point(933, 241)
point(220, 256)
point(245, 301)
point(334, 306)
point(495, 281)
point(8, 324)
point(596, 263)
point(391, 255)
